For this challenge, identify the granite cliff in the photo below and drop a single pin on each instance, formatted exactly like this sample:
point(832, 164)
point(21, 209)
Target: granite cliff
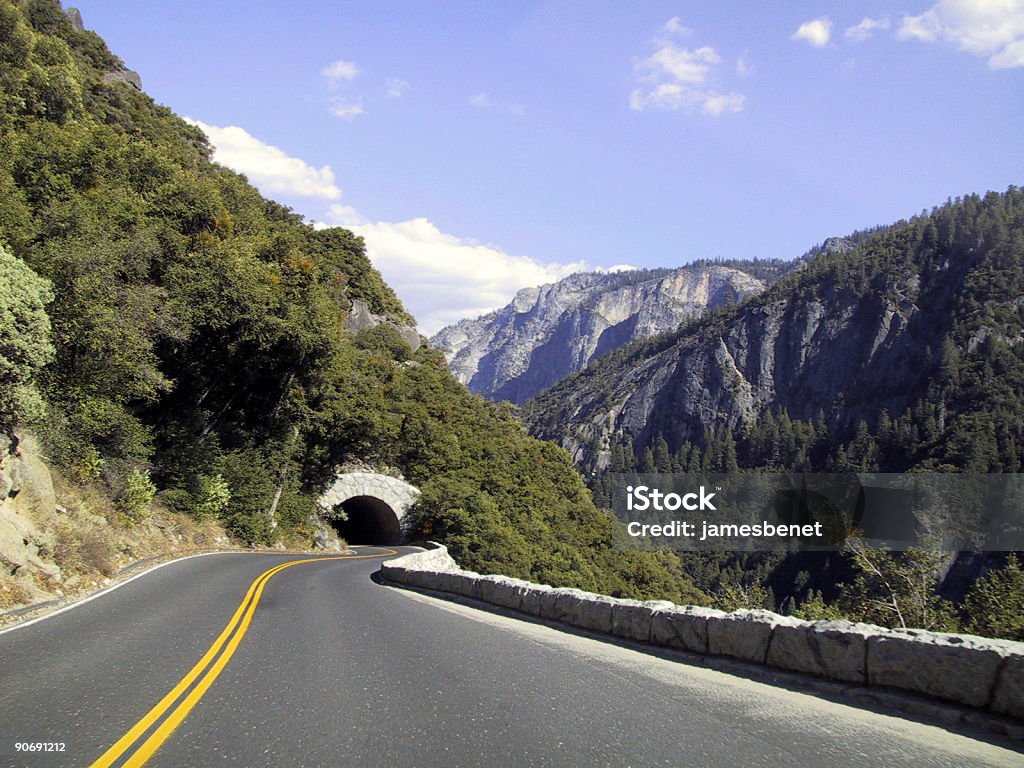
point(551, 331)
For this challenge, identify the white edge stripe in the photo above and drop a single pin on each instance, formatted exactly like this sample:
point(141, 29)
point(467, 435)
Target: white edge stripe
point(120, 584)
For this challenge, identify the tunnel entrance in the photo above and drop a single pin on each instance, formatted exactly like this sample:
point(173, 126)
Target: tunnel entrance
point(370, 521)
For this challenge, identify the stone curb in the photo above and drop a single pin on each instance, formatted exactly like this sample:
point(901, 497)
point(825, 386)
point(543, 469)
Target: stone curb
point(981, 673)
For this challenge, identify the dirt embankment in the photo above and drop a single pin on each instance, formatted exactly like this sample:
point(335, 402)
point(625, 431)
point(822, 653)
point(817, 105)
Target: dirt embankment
point(60, 540)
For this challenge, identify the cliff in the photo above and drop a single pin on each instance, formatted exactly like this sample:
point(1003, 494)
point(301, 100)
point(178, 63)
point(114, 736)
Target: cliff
point(551, 331)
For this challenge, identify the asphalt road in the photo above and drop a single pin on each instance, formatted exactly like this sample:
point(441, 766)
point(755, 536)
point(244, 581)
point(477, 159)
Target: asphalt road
point(334, 669)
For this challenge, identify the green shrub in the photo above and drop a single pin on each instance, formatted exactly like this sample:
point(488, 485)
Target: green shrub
point(136, 499)
point(212, 497)
point(995, 605)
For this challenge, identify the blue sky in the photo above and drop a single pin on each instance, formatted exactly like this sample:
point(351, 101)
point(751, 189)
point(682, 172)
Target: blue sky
point(483, 147)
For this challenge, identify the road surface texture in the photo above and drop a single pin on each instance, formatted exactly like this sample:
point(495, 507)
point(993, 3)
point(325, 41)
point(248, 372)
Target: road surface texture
point(325, 667)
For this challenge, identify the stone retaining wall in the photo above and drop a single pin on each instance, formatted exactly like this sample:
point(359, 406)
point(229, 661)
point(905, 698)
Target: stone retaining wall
point(974, 671)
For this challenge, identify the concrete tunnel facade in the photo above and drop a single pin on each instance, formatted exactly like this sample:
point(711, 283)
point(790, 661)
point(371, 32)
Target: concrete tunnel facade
point(375, 505)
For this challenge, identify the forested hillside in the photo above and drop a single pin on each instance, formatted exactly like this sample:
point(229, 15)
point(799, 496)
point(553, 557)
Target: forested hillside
point(901, 351)
point(186, 337)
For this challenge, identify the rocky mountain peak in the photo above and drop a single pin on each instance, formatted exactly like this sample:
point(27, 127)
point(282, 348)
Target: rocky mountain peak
point(550, 331)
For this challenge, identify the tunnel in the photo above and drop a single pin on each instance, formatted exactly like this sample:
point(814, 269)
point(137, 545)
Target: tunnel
point(370, 521)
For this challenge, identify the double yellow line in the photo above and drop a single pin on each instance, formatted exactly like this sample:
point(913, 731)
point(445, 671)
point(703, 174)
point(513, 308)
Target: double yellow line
point(206, 671)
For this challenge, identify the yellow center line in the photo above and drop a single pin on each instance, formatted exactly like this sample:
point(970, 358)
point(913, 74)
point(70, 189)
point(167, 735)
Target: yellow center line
point(241, 619)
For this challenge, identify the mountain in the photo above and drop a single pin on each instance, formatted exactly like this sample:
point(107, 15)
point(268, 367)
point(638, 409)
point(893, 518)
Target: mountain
point(900, 350)
point(551, 331)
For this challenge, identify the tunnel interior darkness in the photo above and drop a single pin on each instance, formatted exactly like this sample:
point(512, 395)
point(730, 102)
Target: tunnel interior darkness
point(370, 521)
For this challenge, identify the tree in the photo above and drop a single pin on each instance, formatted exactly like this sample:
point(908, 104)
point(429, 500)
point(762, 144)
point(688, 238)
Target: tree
point(897, 589)
point(24, 339)
point(994, 607)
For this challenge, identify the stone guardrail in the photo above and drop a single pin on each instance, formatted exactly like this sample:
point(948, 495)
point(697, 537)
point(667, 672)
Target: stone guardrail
point(975, 671)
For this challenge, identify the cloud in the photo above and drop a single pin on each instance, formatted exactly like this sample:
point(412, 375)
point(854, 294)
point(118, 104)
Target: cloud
point(743, 68)
point(442, 278)
point(816, 32)
point(396, 88)
point(677, 78)
point(340, 71)
point(989, 28)
point(346, 110)
point(674, 26)
point(866, 28)
point(716, 104)
point(268, 168)
point(486, 101)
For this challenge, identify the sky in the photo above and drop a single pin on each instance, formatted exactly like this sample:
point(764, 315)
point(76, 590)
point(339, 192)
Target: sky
point(483, 147)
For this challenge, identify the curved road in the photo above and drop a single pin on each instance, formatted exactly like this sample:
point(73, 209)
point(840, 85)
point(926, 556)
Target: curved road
point(330, 668)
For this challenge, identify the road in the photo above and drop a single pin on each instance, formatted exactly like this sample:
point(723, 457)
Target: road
point(334, 669)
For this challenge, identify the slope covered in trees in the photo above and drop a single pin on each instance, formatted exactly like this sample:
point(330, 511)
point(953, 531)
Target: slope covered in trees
point(901, 353)
point(200, 347)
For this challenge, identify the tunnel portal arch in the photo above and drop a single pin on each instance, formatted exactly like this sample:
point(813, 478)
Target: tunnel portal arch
point(374, 504)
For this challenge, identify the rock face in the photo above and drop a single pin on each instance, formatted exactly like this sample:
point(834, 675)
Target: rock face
point(25, 488)
point(551, 331)
point(361, 318)
point(128, 76)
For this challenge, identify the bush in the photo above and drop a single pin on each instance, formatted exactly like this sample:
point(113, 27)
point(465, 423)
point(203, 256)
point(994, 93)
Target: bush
point(136, 500)
point(212, 497)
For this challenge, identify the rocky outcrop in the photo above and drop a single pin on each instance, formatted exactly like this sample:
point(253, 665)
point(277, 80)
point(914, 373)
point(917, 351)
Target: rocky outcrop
point(551, 331)
point(976, 672)
point(75, 16)
point(127, 76)
point(360, 318)
point(121, 74)
point(26, 489)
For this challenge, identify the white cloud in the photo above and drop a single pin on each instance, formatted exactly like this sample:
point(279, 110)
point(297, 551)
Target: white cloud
point(682, 65)
point(341, 216)
point(396, 88)
point(719, 103)
point(743, 68)
point(339, 71)
point(486, 101)
point(816, 32)
point(674, 26)
point(988, 28)
point(866, 28)
point(442, 278)
point(346, 110)
point(677, 78)
point(268, 167)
